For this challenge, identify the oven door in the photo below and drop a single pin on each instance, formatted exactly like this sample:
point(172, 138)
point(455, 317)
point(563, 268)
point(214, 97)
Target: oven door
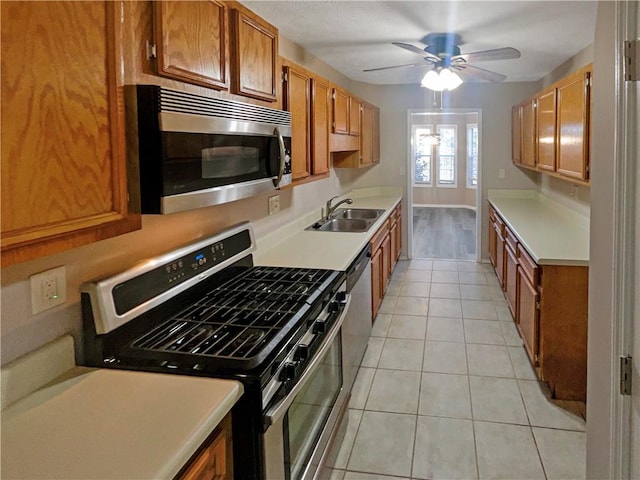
point(304, 423)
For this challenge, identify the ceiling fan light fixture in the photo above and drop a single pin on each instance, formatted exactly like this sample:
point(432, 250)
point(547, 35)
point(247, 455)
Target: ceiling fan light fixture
point(441, 80)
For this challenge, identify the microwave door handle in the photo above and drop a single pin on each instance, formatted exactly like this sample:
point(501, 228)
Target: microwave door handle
point(283, 153)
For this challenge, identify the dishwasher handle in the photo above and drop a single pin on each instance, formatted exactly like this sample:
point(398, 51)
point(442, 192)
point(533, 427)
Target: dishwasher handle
point(357, 267)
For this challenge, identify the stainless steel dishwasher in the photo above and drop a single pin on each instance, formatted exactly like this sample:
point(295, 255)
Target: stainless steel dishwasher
point(357, 325)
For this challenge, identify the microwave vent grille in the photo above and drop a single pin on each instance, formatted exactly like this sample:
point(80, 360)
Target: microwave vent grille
point(189, 103)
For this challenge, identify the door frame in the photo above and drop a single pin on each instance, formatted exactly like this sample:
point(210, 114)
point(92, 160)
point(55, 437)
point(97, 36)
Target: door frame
point(626, 249)
point(410, 174)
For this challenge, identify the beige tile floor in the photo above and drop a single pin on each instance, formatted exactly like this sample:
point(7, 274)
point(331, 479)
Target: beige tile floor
point(446, 391)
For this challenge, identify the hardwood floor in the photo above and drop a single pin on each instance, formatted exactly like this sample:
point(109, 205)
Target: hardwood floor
point(444, 233)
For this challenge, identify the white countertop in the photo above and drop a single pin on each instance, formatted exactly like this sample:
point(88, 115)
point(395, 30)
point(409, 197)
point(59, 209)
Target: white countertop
point(111, 424)
point(550, 232)
point(293, 246)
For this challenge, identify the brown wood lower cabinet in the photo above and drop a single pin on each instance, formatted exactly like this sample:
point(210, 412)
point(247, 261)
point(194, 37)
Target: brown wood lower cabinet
point(527, 315)
point(386, 245)
point(214, 459)
point(549, 304)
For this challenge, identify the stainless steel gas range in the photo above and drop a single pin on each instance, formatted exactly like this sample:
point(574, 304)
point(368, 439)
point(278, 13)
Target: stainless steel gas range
point(204, 309)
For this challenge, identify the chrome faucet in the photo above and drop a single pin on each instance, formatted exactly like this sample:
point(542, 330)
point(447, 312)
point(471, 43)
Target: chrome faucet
point(330, 209)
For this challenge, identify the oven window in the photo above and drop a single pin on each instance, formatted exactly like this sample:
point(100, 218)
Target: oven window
point(310, 410)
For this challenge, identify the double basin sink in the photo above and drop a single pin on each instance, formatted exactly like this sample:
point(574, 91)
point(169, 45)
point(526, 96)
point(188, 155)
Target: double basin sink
point(348, 220)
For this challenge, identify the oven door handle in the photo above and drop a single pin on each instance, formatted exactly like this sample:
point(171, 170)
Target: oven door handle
point(283, 155)
point(277, 411)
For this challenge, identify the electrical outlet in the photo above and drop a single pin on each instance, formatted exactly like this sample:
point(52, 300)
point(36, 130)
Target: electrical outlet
point(274, 204)
point(48, 289)
point(501, 173)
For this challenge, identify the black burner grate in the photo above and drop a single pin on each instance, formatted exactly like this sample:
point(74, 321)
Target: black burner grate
point(240, 318)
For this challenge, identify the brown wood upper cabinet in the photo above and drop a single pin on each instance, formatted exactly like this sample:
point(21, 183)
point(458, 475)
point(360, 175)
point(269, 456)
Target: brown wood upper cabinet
point(320, 125)
point(516, 134)
point(546, 130)
point(308, 98)
point(341, 113)
point(554, 129)
point(368, 152)
point(297, 100)
point(573, 125)
point(355, 116)
point(254, 50)
point(528, 158)
point(64, 180)
point(192, 42)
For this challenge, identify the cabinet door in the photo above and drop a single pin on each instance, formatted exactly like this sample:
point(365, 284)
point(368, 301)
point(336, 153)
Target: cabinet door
point(386, 262)
point(214, 461)
point(529, 134)
point(546, 130)
point(510, 281)
point(399, 232)
point(255, 56)
point(64, 177)
point(321, 125)
point(192, 43)
point(493, 242)
point(376, 281)
point(516, 134)
point(393, 237)
point(573, 126)
point(366, 135)
point(340, 111)
point(499, 266)
point(528, 318)
point(355, 107)
point(376, 135)
point(297, 100)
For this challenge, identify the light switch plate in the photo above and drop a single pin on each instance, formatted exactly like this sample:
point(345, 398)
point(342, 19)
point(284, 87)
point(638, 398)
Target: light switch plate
point(48, 289)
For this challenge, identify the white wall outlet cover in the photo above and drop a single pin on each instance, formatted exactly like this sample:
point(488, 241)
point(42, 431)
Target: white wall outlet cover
point(501, 173)
point(48, 289)
point(274, 204)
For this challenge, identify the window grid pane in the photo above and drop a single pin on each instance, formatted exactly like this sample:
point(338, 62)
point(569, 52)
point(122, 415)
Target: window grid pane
point(447, 155)
point(422, 158)
point(472, 155)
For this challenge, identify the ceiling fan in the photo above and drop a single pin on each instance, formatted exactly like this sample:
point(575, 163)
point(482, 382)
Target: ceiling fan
point(442, 55)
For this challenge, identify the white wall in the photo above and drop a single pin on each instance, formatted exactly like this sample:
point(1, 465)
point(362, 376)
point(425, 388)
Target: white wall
point(494, 101)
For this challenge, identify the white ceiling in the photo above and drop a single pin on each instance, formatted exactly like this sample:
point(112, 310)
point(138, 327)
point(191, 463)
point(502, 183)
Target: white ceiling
point(354, 35)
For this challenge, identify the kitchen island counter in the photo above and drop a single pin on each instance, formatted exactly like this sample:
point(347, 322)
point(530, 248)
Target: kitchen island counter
point(102, 423)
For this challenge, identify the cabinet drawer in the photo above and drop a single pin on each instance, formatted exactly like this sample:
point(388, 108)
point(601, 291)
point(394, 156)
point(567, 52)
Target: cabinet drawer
point(529, 267)
point(511, 239)
point(378, 238)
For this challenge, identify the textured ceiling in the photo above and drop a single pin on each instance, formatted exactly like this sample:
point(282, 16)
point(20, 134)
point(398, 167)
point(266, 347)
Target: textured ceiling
point(352, 36)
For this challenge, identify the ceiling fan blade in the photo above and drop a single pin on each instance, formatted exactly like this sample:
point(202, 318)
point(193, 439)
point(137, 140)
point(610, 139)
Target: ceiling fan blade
point(478, 72)
point(489, 55)
point(419, 51)
point(422, 64)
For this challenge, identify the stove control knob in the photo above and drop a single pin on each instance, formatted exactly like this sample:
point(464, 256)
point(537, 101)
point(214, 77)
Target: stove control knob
point(288, 372)
point(302, 353)
point(341, 297)
point(320, 326)
point(334, 307)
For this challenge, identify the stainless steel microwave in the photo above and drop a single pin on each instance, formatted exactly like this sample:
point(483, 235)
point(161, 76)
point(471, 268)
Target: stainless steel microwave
point(195, 151)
